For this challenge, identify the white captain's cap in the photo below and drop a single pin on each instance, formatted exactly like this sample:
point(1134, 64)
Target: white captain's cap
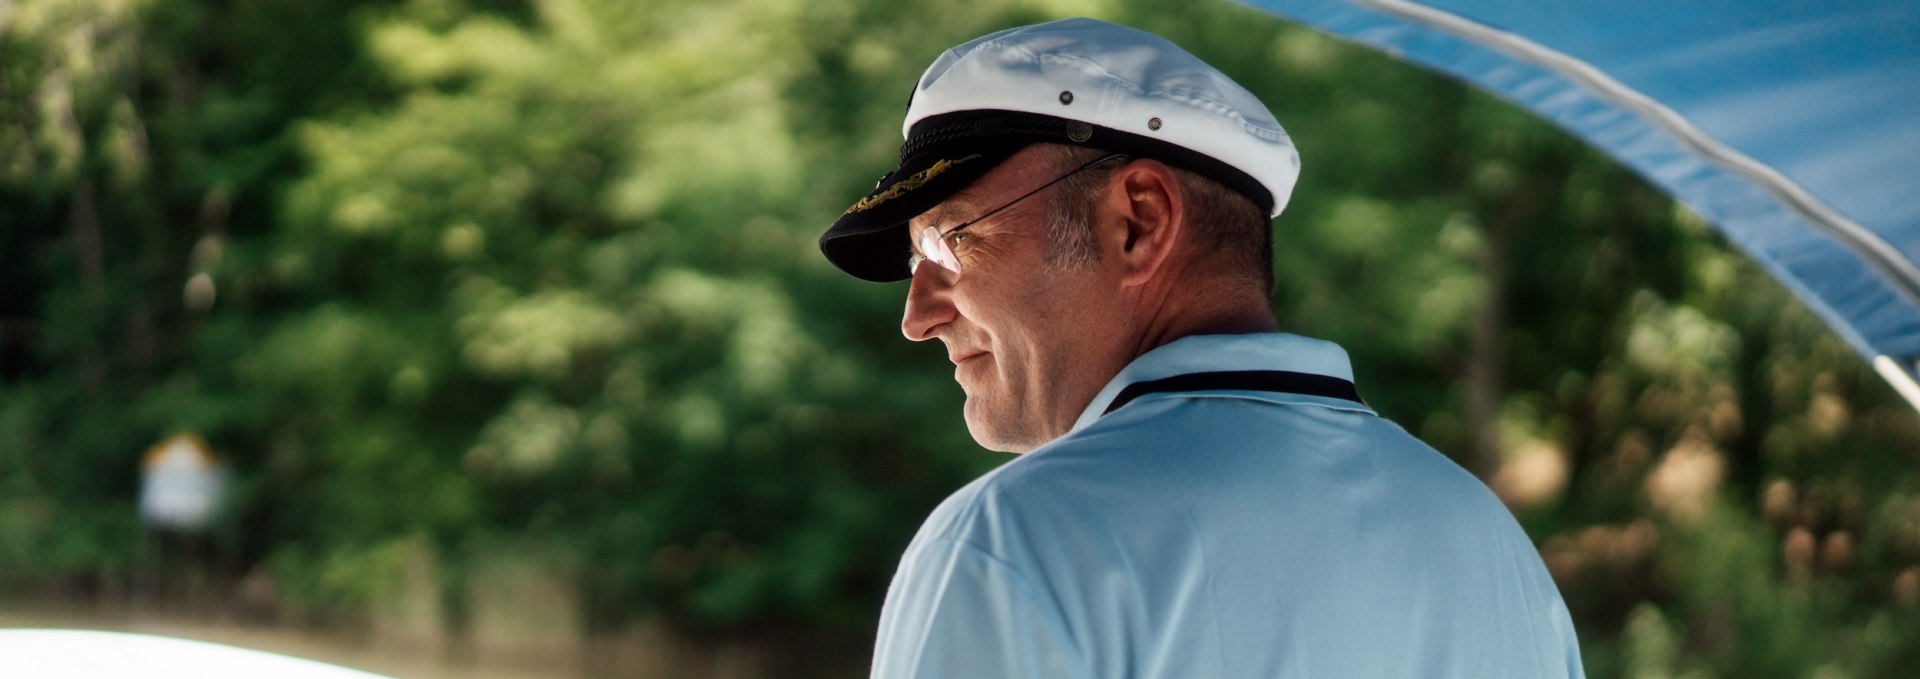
point(1075, 81)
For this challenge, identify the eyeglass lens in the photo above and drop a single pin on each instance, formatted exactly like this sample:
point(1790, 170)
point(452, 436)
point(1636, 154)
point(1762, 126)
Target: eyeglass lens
point(933, 242)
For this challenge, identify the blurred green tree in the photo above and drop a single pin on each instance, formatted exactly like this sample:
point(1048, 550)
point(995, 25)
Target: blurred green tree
point(136, 141)
point(563, 299)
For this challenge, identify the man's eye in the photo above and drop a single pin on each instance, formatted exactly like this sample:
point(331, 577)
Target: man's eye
point(956, 237)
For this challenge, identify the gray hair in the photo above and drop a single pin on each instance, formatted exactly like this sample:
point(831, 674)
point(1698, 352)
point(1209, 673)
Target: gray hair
point(1227, 226)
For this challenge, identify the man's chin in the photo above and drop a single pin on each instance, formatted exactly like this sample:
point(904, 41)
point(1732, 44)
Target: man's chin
point(991, 437)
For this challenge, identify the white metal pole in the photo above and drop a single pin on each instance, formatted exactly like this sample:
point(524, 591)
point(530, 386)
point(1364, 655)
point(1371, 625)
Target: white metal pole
point(1900, 377)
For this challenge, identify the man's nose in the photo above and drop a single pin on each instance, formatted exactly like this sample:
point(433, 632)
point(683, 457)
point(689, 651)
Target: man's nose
point(929, 303)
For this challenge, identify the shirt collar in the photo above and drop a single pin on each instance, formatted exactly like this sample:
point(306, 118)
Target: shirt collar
point(1209, 353)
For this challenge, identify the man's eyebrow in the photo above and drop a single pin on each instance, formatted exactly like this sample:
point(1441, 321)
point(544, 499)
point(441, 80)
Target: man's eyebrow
point(947, 211)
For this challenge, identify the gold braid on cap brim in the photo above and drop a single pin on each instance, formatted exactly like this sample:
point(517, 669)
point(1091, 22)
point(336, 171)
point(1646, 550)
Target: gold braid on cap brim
point(918, 180)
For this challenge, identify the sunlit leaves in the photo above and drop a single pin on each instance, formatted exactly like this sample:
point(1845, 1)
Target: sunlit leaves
point(537, 335)
point(1678, 342)
point(529, 437)
point(67, 68)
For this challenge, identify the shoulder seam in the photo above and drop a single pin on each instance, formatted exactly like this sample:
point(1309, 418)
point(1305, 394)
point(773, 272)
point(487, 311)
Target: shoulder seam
point(1019, 580)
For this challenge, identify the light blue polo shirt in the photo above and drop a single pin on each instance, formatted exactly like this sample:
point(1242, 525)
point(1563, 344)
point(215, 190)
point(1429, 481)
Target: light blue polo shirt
point(1225, 532)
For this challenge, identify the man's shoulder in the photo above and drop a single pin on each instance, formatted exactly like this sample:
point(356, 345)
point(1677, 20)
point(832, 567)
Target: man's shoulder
point(1169, 463)
point(1031, 486)
point(1275, 451)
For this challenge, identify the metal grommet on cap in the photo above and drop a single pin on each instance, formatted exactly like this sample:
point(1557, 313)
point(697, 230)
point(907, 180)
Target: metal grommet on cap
point(1153, 124)
point(1079, 132)
point(1066, 98)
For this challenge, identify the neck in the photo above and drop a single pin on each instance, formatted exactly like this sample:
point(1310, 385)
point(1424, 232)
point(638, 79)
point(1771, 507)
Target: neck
point(1226, 309)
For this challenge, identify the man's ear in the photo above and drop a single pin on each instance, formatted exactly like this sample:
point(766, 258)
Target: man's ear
point(1143, 221)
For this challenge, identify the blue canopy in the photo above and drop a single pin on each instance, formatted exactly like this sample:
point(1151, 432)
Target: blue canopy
point(1794, 127)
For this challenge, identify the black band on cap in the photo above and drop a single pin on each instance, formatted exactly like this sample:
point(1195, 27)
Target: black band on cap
point(963, 126)
point(946, 153)
point(970, 126)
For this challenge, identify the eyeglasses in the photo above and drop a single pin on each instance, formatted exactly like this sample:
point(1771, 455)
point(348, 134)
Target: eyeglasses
point(936, 247)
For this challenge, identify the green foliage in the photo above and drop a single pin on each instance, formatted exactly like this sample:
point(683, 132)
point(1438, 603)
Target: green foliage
point(494, 281)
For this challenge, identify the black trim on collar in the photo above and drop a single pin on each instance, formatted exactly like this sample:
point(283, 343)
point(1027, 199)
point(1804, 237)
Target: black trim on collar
point(1280, 381)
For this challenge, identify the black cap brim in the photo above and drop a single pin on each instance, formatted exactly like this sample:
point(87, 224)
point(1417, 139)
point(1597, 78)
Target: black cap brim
point(869, 240)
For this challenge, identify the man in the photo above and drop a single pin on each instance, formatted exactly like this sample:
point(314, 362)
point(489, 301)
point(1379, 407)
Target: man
point(1084, 212)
